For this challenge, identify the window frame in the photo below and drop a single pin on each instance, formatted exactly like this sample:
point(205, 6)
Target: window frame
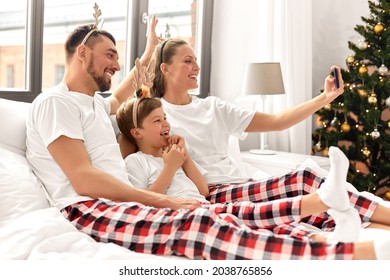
point(138, 28)
point(135, 29)
point(34, 46)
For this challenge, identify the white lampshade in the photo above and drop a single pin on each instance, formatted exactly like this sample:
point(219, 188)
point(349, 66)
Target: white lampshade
point(263, 78)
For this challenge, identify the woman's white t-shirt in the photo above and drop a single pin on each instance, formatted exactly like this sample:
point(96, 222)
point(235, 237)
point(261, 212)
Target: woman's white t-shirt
point(206, 125)
point(143, 170)
point(60, 112)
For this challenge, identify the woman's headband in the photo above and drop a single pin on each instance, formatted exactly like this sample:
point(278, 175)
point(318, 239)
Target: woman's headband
point(167, 36)
point(161, 52)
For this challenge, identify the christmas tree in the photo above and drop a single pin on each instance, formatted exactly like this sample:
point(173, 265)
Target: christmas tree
point(358, 121)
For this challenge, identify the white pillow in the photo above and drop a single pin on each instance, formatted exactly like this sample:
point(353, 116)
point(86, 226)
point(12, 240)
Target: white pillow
point(20, 190)
point(13, 125)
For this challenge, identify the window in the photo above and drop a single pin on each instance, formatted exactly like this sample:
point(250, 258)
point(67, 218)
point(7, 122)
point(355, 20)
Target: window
point(58, 74)
point(10, 76)
point(33, 33)
point(13, 45)
point(179, 15)
point(186, 20)
point(62, 17)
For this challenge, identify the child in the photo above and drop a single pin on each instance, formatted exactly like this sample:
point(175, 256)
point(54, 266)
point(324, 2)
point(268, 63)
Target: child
point(162, 163)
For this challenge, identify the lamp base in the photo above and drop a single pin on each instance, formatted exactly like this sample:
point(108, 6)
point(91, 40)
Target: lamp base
point(262, 152)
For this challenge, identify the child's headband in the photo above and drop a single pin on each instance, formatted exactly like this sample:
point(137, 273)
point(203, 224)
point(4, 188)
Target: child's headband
point(143, 81)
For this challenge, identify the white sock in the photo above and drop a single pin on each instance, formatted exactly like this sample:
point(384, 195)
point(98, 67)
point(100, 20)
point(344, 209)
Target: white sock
point(348, 225)
point(381, 238)
point(333, 191)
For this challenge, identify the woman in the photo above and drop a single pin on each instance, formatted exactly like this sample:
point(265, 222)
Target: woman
point(206, 124)
point(162, 165)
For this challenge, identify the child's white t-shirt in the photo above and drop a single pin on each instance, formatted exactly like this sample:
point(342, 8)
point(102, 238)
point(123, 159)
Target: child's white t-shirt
point(143, 170)
point(60, 112)
point(206, 125)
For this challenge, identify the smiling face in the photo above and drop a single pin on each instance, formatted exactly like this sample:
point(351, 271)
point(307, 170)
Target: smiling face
point(183, 70)
point(103, 63)
point(154, 132)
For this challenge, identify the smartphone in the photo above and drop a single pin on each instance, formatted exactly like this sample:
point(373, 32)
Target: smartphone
point(336, 76)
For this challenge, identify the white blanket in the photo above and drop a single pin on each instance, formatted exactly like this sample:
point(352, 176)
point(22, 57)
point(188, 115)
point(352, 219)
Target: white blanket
point(46, 234)
point(31, 229)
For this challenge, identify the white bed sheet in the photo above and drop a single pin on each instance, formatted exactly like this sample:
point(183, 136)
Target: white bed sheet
point(31, 229)
point(46, 234)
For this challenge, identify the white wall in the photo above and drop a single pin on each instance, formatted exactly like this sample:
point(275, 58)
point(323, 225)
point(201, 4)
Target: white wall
point(333, 26)
point(333, 23)
point(236, 27)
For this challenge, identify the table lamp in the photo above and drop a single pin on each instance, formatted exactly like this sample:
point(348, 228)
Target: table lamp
point(263, 79)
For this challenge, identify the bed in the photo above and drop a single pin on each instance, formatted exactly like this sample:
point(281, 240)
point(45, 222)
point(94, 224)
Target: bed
point(29, 227)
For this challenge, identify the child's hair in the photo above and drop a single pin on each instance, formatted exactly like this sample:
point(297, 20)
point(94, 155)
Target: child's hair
point(163, 54)
point(125, 117)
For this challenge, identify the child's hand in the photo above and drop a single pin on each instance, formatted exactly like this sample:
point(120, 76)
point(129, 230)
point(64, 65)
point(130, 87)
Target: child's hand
point(178, 140)
point(174, 156)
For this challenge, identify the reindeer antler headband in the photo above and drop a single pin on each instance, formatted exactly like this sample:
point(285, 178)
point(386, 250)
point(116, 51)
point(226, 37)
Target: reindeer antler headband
point(167, 37)
point(97, 13)
point(143, 81)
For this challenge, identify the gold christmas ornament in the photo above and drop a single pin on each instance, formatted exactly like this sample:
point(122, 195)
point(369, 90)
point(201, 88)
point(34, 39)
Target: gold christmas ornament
point(325, 152)
point(362, 92)
point(350, 59)
point(366, 152)
point(387, 195)
point(372, 99)
point(345, 127)
point(318, 147)
point(363, 70)
point(378, 28)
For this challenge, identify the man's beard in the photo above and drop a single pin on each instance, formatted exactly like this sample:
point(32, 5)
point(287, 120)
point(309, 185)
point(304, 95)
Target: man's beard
point(101, 83)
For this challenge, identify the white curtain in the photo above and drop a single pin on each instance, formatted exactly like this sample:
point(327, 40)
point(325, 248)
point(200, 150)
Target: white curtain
point(265, 31)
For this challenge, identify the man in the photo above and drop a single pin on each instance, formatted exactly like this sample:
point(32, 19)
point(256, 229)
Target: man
point(72, 148)
point(90, 66)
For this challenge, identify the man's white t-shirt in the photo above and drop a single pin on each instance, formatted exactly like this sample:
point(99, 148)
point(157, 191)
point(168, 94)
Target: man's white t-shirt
point(143, 170)
point(206, 125)
point(58, 112)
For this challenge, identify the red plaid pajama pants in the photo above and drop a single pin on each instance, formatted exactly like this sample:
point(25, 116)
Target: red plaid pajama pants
point(209, 232)
point(228, 230)
point(298, 182)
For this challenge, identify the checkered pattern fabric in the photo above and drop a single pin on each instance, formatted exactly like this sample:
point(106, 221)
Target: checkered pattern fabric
point(217, 231)
point(231, 227)
point(298, 182)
